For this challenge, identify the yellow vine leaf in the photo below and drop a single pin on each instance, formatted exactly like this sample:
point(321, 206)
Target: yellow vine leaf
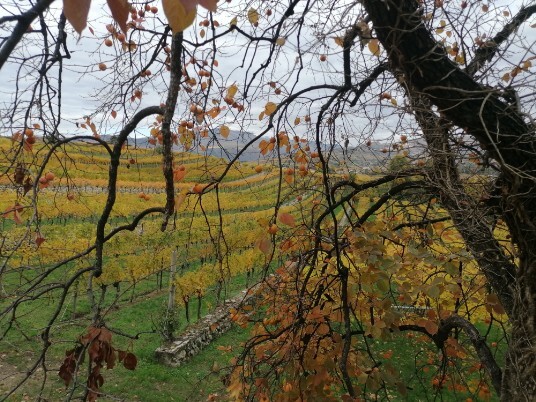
point(178, 18)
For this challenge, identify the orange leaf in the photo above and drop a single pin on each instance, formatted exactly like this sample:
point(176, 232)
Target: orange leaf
point(76, 12)
point(265, 245)
point(374, 47)
point(270, 108)
point(120, 11)
point(224, 131)
point(431, 327)
point(178, 175)
point(287, 219)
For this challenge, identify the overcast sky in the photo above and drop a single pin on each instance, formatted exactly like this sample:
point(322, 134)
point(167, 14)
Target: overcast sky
point(82, 78)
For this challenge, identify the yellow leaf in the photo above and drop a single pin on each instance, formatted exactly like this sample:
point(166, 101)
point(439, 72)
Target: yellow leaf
point(224, 131)
point(339, 41)
point(261, 115)
point(76, 12)
point(120, 10)
point(253, 16)
point(506, 77)
point(374, 47)
point(280, 41)
point(178, 18)
point(297, 121)
point(269, 108)
point(394, 102)
point(231, 91)
point(234, 22)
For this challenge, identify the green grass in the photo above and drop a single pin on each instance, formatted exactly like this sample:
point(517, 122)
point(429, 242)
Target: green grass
point(152, 380)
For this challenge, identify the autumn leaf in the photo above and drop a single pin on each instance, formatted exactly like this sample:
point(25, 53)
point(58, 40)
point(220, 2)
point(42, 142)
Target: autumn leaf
point(15, 209)
point(253, 16)
point(130, 361)
point(178, 15)
point(120, 11)
point(39, 240)
point(287, 219)
point(374, 47)
point(210, 5)
point(270, 108)
point(231, 91)
point(224, 131)
point(265, 245)
point(76, 12)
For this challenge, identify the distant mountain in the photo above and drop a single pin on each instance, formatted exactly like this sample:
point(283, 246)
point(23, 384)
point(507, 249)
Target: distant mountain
point(361, 157)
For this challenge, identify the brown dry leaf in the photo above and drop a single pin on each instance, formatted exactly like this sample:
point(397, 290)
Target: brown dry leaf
point(76, 12)
point(130, 361)
point(120, 11)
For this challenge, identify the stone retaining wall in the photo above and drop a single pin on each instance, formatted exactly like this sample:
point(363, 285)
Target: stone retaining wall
point(199, 335)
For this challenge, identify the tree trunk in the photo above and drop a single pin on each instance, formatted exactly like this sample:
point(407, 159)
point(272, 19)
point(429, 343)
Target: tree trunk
point(502, 132)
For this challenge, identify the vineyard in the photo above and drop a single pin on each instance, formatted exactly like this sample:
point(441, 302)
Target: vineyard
point(219, 243)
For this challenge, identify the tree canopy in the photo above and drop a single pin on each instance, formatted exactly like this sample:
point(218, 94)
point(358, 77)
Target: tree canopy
point(400, 138)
